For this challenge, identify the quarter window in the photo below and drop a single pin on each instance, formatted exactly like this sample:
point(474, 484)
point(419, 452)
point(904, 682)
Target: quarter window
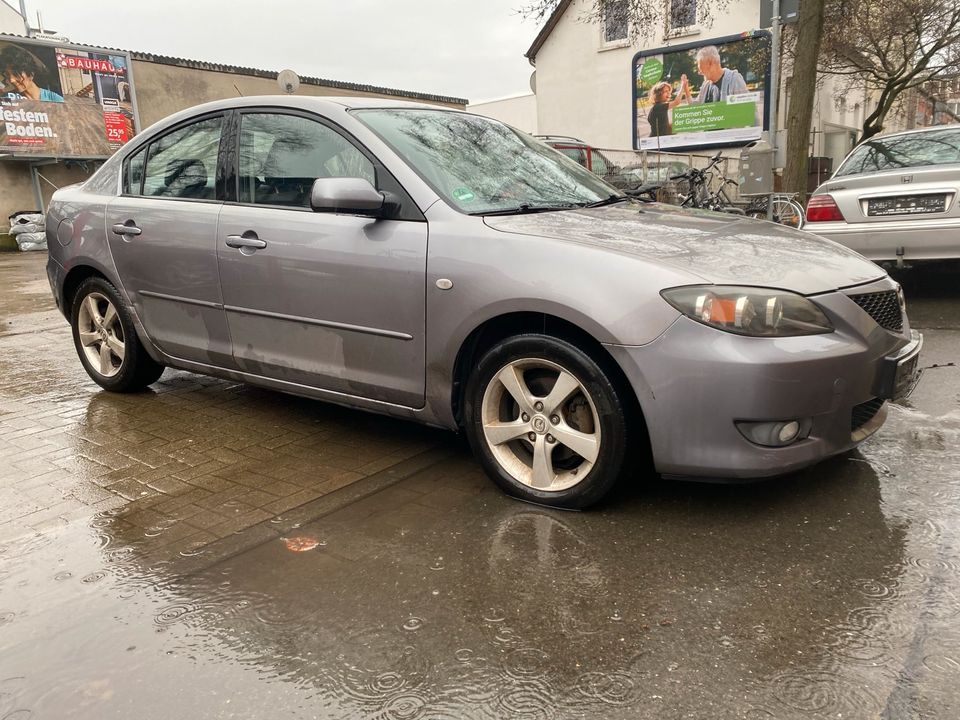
point(183, 163)
point(282, 155)
point(133, 173)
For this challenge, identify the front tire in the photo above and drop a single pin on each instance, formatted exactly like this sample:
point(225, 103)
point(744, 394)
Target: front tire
point(106, 340)
point(546, 422)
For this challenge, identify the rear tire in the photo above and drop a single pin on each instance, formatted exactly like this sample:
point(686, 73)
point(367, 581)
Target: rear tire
point(106, 339)
point(546, 422)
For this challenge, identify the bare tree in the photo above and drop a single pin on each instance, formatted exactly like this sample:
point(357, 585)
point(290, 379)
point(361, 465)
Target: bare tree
point(891, 48)
point(806, 39)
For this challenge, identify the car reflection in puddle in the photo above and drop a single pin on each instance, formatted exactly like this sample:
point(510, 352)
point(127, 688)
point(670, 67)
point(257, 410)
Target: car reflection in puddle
point(436, 596)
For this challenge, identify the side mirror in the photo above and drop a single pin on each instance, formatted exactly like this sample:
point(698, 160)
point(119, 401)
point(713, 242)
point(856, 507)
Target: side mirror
point(352, 196)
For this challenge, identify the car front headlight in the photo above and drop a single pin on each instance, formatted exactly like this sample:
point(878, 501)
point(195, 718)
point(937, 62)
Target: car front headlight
point(756, 312)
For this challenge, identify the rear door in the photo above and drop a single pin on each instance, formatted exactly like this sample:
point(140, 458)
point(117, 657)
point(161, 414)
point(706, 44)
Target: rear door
point(162, 233)
point(331, 301)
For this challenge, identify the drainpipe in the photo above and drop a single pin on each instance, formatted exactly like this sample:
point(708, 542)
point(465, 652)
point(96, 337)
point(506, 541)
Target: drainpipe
point(23, 14)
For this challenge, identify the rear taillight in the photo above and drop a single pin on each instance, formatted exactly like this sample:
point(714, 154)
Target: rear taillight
point(823, 208)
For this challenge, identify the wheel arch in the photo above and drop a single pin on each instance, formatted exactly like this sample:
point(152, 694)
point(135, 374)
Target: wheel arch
point(501, 327)
point(72, 281)
point(83, 271)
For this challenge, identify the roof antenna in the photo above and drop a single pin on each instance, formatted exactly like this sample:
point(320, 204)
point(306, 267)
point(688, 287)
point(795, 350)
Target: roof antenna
point(238, 90)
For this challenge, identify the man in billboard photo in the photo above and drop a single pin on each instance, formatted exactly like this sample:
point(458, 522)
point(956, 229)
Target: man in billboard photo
point(719, 82)
point(24, 75)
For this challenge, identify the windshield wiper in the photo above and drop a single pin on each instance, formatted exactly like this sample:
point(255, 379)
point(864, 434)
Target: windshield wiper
point(612, 199)
point(526, 208)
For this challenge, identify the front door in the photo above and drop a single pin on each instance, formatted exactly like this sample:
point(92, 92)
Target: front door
point(163, 237)
point(329, 301)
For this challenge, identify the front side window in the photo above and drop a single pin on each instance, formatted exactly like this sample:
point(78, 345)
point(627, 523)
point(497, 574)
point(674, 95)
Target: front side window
point(616, 20)
point(183, 163)
point(479, 165)
point(683, 14)
point(282, 155)
point(936, 147)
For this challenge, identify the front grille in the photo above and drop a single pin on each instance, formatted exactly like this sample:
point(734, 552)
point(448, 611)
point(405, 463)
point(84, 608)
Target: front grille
point(883, 307)
point(864, 413)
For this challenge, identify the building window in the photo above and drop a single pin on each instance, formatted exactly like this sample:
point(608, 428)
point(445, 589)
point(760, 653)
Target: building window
point(616, 21)
point(683, 14)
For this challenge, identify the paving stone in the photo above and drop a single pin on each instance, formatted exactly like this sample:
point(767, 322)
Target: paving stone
point(196, 457)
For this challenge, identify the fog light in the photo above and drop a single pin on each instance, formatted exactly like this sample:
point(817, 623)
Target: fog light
point(776, 433)
point(788, 433)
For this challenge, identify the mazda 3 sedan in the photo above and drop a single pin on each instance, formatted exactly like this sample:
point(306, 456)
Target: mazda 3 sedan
point(442, 267)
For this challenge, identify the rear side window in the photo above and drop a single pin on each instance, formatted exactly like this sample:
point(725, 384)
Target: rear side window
point(183, 163)
point(282, 155)
point(936, 147)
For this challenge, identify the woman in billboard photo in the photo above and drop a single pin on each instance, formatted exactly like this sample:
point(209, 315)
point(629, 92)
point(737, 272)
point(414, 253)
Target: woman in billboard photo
point(659, 115)
point(24, 75)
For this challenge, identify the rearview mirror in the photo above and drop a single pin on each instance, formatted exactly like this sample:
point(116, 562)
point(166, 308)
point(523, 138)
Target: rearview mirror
point(352, 196)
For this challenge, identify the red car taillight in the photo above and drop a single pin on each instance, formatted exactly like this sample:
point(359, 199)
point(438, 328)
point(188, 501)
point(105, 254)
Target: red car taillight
point(823, 208)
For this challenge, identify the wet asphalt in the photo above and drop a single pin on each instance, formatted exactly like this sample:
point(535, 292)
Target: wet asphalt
point(210, 550)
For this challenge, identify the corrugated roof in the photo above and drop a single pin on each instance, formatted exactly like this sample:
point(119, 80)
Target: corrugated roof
point(547, 29)
point(257, 72)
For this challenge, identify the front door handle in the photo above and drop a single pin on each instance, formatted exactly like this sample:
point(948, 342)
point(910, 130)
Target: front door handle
point(127, 228)
point(247, 240)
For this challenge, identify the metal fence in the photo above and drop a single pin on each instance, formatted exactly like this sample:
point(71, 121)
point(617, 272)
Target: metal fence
point(624, 168)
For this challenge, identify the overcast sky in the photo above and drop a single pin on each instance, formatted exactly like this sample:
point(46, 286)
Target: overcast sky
point(465, 48)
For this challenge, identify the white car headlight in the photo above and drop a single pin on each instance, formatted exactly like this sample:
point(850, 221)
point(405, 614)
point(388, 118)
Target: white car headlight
point(756, 312)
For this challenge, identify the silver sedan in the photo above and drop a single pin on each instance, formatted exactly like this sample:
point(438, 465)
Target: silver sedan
point(438, 266)
point(895, 198)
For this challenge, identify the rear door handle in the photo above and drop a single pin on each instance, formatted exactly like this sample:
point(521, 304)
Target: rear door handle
point(247, 240)
point(127, 228)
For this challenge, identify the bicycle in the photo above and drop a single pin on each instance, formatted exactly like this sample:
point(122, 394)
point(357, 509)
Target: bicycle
point(786, 210)
point(700, 196)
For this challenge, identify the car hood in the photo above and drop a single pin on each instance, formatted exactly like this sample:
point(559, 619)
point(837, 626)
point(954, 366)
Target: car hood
point(717, 247)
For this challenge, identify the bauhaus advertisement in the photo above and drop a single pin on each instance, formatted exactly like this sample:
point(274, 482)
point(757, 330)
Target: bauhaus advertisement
point(64, 101)
point(704, 94)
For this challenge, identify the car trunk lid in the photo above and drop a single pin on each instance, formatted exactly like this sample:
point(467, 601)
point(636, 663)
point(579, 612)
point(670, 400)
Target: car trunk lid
point(920, 193)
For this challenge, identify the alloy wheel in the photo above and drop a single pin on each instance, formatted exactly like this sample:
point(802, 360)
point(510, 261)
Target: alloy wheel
point(101, 334)
point(540, 424)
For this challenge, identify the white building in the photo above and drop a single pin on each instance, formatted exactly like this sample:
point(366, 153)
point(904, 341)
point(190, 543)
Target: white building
point(11, 21)
point(584, 74)
point(519, 111)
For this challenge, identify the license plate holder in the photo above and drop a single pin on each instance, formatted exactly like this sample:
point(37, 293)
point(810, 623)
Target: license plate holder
point(899, 373)
point(906, 205)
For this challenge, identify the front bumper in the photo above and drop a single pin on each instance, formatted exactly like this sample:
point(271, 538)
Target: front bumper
point(694, 382)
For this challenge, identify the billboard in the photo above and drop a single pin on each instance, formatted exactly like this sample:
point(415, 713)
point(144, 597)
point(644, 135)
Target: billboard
point(711, 93)
point(64, 101)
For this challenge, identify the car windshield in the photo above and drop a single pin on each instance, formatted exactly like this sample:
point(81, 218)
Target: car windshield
point(935, 147)
point(481, 166)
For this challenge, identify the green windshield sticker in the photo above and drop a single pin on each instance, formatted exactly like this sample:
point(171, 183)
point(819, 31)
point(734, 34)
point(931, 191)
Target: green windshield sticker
point(463, 194)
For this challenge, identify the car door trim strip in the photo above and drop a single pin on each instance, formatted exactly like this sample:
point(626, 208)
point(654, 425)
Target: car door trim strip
point(323, 323)
point(178, 298)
